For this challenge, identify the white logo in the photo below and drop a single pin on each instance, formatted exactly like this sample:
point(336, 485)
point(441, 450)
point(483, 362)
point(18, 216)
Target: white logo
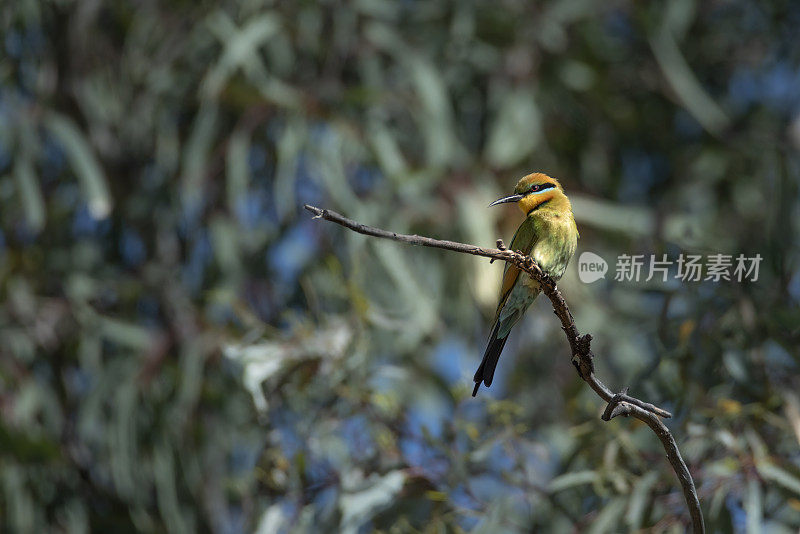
point(591, 267)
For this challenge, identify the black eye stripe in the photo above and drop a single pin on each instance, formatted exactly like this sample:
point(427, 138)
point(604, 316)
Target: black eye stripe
point(540, 187)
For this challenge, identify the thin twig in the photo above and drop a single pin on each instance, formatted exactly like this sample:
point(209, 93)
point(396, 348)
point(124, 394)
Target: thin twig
point(580, 346)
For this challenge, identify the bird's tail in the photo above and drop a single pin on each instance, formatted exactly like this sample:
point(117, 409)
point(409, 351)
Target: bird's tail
point(485, 372)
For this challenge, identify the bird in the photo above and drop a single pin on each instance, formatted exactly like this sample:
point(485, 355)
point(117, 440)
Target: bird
point(550, 236)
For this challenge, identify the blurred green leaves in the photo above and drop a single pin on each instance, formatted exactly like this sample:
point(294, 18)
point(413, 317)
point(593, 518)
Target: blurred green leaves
point(368, 498)
point(84, 164)
point(184, 350)
point(516, 131)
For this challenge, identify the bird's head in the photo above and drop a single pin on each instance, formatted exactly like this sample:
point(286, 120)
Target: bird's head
point(538, 191)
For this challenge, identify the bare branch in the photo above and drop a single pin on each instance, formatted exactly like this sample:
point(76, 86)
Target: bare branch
point(580, 346)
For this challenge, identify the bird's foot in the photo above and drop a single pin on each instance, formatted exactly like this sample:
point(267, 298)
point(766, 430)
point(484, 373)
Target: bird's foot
point(500, 246)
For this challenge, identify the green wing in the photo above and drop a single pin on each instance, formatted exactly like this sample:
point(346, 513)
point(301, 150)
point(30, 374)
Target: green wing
point(514, 300)
point(524, 239)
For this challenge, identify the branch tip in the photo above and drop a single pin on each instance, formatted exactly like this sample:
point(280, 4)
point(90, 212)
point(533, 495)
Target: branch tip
point(318, 213)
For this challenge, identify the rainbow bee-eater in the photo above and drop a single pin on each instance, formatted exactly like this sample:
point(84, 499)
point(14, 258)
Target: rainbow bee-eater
point(549, 235)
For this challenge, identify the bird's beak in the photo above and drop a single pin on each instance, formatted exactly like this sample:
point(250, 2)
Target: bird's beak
point(512, 198)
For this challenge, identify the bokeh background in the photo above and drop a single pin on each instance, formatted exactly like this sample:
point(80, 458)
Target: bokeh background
point(184, 349)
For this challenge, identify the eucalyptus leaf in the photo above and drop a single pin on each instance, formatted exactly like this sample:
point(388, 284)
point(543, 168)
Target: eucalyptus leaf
point(84, 164)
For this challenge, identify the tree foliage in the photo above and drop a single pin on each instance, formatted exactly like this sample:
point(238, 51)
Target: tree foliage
point(183, 349)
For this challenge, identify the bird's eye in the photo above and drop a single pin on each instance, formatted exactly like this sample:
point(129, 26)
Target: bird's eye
point(540, 187)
